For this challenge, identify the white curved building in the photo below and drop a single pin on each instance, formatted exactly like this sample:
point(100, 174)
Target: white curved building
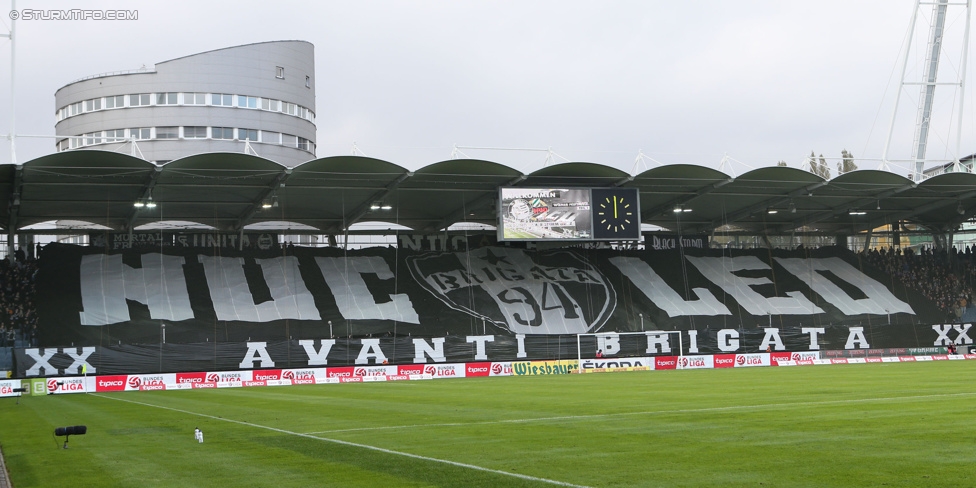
point(256, 98)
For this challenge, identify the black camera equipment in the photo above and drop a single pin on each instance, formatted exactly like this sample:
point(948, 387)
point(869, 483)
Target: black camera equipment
point(69, 431)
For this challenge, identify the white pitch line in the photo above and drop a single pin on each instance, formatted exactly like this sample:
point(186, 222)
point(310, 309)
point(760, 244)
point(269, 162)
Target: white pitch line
point(649, 412)
point(353, 444)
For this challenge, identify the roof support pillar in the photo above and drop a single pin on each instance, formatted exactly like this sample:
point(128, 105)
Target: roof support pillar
point(14, 210)
point(867, 240)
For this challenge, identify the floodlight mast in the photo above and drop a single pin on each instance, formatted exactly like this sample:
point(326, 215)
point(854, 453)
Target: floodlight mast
point(962, 85)
point(932, 57)
point(929, 83)
point(12, 136)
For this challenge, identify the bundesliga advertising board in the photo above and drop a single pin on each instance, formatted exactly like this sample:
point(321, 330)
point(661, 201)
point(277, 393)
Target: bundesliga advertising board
point(336, 375)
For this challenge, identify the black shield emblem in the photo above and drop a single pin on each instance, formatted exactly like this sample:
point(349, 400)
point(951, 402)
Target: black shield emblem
point(524, 292)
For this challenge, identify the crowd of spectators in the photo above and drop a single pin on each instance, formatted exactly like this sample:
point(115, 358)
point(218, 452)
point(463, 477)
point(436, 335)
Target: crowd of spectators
point(18, 314)
point(946, 278)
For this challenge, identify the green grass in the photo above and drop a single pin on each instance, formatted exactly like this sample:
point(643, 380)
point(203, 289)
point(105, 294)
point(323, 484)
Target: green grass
point(898, 424)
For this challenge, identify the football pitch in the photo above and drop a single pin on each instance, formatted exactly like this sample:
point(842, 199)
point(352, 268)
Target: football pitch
point(891, 424)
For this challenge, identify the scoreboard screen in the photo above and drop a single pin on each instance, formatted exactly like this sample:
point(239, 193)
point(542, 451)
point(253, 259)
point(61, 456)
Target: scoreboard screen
point(575, 214)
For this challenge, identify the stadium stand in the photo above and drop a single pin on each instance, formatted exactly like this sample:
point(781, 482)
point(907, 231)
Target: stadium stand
point(18, 315)
point(943, 277)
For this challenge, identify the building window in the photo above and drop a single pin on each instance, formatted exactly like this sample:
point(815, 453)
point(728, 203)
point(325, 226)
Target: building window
point(141, 134)
point(194, 132)
point(289, 140)
point(139, 100)
point(64, 145)
point(308, 82)
point(280, 72)
point(117, 101)
point(274, 105)
point(166, 98)
point(117, 135)
point(247, 102)
point(247, 134)
point(93, 138)
point(269, 137)
point(194, 98)
point(222, 99)
point(167, 132)
point(93, 104)
point(75, 108)
point(222, 132)
point(304, 144)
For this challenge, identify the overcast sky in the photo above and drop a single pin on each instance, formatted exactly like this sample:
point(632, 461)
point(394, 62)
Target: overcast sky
point(596, 81)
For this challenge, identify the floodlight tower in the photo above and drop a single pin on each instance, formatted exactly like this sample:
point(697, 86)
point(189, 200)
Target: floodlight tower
point(928, 83)
point(13, 95)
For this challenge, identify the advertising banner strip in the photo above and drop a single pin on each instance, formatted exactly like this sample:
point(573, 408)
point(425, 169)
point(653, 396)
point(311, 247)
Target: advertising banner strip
point(530, 368)
point(73, 384)
point(295, 357)
point(616, 364)
point(7, 388)
point(321, 376)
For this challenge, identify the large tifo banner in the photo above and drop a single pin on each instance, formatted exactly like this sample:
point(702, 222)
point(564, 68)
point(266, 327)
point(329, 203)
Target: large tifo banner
point(212, 303)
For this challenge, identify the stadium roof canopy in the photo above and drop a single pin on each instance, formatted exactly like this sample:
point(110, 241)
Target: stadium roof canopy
point(226, 191)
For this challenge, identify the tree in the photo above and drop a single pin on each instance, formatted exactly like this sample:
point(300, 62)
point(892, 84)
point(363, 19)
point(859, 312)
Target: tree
point(846, 164)
point(819, 167)
point(781, 163)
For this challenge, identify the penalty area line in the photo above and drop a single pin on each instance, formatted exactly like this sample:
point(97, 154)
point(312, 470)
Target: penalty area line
point(351, 444)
